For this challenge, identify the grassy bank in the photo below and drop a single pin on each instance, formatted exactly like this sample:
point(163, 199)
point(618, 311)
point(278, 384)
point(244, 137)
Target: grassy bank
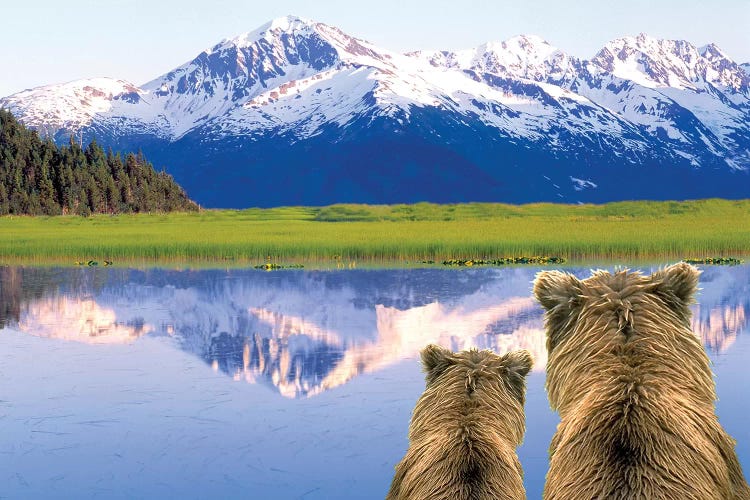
point(395, 233)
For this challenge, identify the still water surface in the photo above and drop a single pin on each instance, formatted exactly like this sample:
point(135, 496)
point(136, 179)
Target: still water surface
point(245, 384)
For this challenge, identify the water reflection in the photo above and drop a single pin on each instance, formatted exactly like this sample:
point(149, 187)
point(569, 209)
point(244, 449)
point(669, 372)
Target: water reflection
point(301, 357)
point(718, 326)
point(304, 333)
point(80, 320)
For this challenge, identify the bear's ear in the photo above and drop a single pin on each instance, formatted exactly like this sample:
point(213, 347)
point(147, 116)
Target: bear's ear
point(554, 288)
point(677, 285)
point(517, 364)
point(435, 360)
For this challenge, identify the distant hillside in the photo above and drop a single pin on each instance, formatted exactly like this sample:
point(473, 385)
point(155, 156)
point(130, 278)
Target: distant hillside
point(39, 178)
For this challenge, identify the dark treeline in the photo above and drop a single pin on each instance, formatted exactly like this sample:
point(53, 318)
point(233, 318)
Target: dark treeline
point(39, 178)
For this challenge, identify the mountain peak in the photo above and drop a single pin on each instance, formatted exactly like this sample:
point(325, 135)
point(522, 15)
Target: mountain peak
point(712, 52)
point(287, 34)
point(524, 56)
point(70, 104)
point(653, 62)
point(527, 41)
point(653, 46)
point(286, 24)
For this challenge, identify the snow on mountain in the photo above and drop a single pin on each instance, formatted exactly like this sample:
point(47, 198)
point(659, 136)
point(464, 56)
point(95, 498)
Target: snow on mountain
point(524, 56)
point(670, 63)
point(722, 70)
point(69, 105)
point(242, 68)
point(642, 80)
point(296, 74)
point(303, 107)
point(392, 84)
point(673, 75)
point(639, 100)
point(217, 80)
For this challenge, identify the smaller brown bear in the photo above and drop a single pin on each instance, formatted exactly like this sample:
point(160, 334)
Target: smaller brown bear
point(465, 428)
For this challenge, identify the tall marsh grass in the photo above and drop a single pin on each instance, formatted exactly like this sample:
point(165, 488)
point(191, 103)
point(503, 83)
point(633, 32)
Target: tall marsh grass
point(626, 230)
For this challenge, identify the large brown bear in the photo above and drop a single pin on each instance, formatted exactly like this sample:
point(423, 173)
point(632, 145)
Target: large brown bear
point(465, 428)
point(634, 390)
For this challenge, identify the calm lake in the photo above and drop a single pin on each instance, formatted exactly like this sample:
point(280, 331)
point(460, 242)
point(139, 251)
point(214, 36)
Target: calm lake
point(271, 385)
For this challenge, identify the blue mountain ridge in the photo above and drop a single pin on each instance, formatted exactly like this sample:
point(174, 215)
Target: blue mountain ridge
point(265, 126)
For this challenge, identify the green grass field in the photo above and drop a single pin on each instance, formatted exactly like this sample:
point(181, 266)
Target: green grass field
point(386, 234)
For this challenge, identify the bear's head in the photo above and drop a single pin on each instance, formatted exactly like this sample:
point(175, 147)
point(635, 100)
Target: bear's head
point(667, 293)
point(481, 381)
point(481, 372)
point(593, 322)
point(473, 388)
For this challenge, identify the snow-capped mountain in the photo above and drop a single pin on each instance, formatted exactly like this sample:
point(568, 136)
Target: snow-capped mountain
point(69, 106)
point(670, 63)
point(338, 119)
point(525, 57)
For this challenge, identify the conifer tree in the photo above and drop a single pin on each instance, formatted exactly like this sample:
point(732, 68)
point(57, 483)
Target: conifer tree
point(39, 178)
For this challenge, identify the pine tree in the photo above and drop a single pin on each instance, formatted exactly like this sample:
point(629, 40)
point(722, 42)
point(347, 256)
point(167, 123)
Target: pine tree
point(38, 177)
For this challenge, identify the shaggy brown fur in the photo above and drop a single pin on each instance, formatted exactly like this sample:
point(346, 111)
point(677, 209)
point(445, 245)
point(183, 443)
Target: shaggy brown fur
point(465, 428)
point(634, 390)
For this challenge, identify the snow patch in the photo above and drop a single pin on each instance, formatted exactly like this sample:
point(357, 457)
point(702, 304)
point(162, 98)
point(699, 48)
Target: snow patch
point(581, 184)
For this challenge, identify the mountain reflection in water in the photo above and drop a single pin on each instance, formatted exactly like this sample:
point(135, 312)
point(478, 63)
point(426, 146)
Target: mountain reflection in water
point(80, 320)
point(307, 332)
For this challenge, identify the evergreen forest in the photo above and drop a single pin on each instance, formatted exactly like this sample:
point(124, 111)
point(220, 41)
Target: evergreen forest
point(37, 177)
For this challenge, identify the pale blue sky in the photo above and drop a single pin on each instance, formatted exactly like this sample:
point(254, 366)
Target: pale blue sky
point(52, 41)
